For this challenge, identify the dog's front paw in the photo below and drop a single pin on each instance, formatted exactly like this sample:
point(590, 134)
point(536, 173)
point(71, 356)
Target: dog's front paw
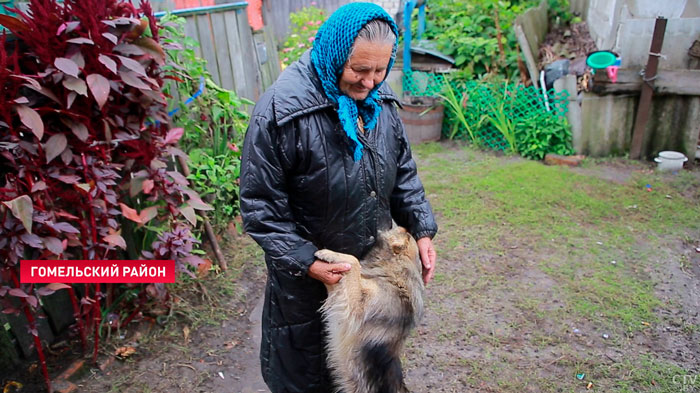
point(333, 257)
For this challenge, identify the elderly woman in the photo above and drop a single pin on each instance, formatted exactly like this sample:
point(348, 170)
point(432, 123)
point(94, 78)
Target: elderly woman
point(326, 164)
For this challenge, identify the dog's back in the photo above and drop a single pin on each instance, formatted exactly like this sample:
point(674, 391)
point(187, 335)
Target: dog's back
point(370, 313)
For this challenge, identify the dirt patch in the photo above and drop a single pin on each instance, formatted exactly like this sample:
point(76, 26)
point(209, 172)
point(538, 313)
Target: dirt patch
point(214, 357)
point(499, 320)
point(617, 170)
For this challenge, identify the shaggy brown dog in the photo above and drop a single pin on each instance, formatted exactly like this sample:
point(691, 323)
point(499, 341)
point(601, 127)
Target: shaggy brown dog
point(371, 311)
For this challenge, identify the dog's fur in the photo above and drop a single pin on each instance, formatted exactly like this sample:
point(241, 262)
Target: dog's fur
point(371, 311)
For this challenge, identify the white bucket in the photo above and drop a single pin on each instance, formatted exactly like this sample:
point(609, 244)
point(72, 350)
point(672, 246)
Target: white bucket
point(670, 161)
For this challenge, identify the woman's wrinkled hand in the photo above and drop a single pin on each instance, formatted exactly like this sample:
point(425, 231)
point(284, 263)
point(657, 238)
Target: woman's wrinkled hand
point(328, 273)
point(428, 257)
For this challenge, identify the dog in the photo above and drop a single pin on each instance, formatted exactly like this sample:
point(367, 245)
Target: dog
point(370, 313)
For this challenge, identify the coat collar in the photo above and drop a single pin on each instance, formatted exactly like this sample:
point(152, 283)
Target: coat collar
point(298, 91)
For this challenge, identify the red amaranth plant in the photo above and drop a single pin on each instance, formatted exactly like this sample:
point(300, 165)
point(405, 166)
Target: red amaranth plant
point(84, 144)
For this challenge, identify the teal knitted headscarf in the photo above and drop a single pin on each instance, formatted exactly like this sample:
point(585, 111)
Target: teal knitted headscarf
point(330, 52)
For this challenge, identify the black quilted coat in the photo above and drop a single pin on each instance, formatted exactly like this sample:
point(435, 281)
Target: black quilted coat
point(302, 191)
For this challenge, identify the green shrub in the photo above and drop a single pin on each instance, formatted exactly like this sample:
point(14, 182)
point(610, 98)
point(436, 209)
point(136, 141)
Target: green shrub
point(215, 177)
point(214, 122)
point(467, 31)
point(304, 26)
point(540, 135)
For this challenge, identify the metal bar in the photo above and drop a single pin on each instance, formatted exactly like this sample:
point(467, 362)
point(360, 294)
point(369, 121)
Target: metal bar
point(421, 21)
point(206, 10)
point(408, 10)
point(640, 122)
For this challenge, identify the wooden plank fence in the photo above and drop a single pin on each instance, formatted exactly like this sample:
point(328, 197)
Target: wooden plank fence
point(237, 58)
point(277, 11)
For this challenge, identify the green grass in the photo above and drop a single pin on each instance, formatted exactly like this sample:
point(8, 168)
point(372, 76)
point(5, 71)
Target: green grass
point(501, 217)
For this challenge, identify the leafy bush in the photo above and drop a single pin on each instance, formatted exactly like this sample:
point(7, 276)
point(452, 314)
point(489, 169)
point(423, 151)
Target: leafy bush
point(214, 122)
point(506, 116)
point(304, 25)
point(216, 178)
point(541, 135)
point(84, 145)
point(469, 31)
point(204, 110)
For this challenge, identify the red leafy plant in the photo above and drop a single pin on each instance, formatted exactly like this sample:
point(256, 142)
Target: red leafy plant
point(84, 147)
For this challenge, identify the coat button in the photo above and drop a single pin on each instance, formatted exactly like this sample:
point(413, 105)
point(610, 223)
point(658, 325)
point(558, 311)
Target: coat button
point(373, 194)
point(371, 239)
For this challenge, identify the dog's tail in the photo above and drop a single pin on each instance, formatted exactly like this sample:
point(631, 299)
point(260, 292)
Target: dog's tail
point(383, 369)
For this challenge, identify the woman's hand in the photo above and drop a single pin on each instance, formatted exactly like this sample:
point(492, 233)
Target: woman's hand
point(428, 256)
point(328, 273)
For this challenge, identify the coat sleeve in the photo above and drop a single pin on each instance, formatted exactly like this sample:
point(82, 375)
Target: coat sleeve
point(264, 201)
point(409, 206)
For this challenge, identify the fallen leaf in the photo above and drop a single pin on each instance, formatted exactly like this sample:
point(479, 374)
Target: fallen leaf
point(124, 352)
point(203, 268)
point(186, 333)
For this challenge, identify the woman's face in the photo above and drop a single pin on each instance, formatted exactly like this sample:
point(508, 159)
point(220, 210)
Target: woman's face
point(365, 68)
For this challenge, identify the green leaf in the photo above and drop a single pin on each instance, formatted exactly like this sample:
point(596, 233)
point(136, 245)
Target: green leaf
point(23, 209)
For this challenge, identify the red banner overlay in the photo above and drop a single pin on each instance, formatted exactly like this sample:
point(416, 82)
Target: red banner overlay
point(97, 271)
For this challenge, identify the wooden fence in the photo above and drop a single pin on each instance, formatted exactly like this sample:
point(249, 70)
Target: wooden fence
point(237, 58)
point(277, 11)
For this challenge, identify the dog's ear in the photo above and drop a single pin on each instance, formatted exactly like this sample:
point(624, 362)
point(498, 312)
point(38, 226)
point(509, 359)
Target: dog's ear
point(398, 243)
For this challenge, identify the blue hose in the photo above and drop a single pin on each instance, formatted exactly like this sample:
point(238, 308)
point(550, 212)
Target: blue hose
point(194, 96)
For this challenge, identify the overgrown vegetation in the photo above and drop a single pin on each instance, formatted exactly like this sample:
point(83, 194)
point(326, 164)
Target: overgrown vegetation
point(483, 104)
point(85, 147)
point(304, 25)
point(214, 120)
point(478, 34)
point(508, 117)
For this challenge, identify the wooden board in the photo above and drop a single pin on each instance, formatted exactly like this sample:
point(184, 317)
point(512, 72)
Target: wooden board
point(530, 29)
point(679, 82)
point(206, 41)
point(250, 64)
point(221, 43)
point(236, 55)
point(191, 31)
